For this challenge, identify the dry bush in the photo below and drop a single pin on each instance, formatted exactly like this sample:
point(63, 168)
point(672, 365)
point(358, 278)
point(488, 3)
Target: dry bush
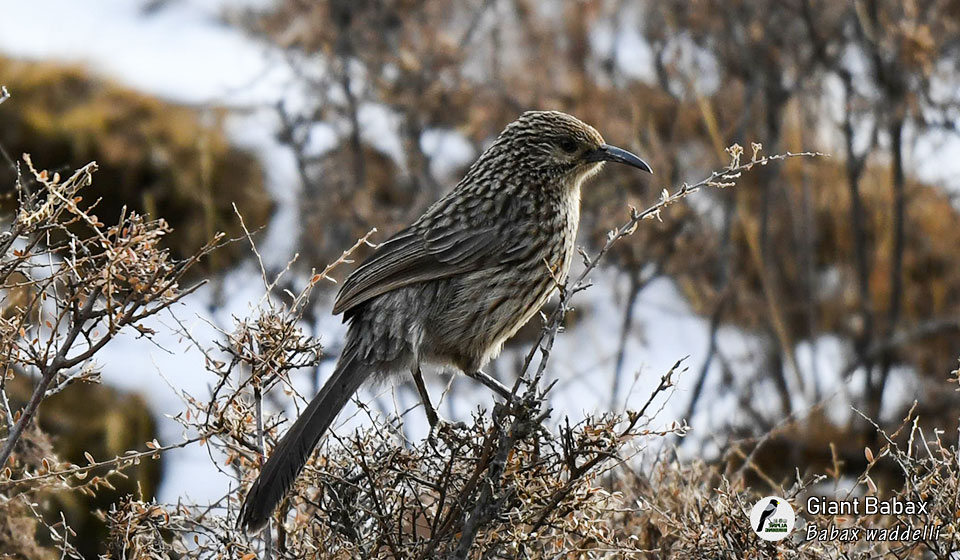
point(70, 284)
point(102, 421)
point(505, 486)
point(699, 509)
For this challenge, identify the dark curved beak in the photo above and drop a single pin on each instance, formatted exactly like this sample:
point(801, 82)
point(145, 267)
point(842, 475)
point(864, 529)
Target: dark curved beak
point(607, 152)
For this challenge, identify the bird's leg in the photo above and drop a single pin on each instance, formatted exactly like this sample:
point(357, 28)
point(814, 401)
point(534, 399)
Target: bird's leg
point(437, 424)
point(493, 384)
point(432, 417)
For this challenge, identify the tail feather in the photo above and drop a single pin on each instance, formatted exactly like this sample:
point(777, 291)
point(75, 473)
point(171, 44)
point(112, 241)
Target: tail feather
point(291, 454)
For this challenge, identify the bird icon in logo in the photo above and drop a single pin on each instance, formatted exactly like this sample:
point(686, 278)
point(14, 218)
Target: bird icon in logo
point(767, 512)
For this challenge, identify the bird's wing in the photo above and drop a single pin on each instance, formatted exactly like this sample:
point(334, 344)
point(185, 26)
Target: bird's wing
point(414, 255)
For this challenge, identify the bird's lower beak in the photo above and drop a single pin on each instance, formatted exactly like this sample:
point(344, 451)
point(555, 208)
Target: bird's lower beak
point(607, 152)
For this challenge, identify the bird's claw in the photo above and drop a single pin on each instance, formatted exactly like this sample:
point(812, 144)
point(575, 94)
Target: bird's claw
point(443, 427)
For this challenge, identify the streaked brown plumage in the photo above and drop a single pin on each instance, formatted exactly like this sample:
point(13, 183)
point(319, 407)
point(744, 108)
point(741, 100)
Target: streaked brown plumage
point(452, 287)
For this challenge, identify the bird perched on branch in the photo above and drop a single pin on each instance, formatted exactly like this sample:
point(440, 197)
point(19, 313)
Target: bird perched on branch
point(452, 287)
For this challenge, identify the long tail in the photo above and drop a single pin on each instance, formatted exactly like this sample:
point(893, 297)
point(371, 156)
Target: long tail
point(290, 455)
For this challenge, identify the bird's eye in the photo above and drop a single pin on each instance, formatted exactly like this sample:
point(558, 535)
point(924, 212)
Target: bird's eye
point(568, 145)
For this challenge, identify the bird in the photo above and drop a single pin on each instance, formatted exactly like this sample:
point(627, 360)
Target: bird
point(767, 512)
point(452, 287)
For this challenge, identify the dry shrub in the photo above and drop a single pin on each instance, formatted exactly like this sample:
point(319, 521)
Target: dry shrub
point(505, 486)
point(74, 283)
point(508, 485)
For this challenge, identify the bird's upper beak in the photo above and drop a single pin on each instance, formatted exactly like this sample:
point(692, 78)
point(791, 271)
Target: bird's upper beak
point(607, 152)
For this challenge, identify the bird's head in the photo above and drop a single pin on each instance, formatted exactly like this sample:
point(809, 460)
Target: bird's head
point(559, 148)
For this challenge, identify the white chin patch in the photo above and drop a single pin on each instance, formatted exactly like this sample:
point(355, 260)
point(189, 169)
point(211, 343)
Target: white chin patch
point(588, 171)
point(593, 169)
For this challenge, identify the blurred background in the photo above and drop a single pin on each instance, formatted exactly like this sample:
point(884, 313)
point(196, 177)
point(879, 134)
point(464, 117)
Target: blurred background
point(814, 289)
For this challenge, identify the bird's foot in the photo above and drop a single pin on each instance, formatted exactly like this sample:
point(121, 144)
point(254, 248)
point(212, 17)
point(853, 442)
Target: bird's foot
point(442, 429)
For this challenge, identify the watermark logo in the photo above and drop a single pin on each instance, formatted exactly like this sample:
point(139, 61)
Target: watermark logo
point(772, 518)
